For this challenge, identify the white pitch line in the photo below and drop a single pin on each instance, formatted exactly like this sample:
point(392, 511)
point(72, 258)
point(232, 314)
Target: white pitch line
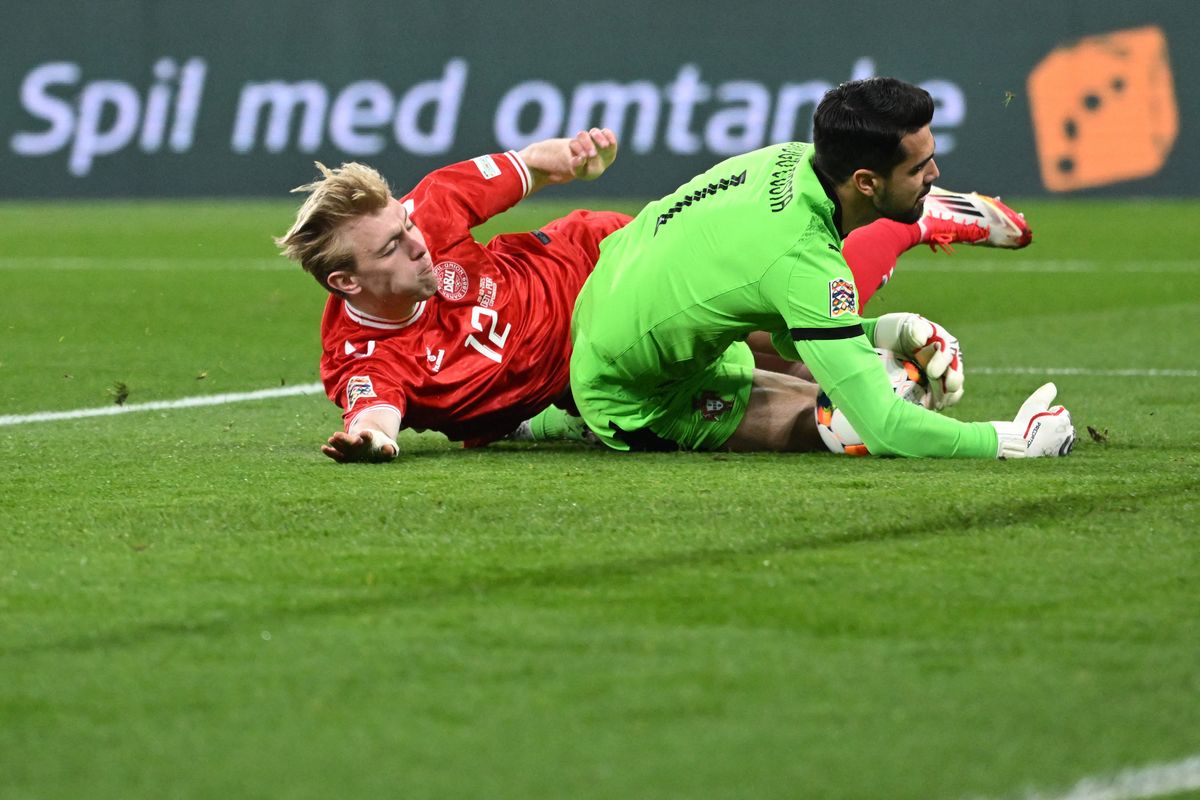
point(277, 263)
point(144, 263)
point(163, 405)
point(1002, 265)
point(1091, 373)
point(1155, 780)
point(316, 388)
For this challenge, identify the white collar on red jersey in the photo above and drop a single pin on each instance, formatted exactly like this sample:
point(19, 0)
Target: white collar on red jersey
point(372, 321)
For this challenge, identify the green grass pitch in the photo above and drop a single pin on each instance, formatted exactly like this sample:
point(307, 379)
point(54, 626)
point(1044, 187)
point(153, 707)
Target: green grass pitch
point(195, 603)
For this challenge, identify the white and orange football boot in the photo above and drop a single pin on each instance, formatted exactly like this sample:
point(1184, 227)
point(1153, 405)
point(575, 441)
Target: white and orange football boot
point(954, 217)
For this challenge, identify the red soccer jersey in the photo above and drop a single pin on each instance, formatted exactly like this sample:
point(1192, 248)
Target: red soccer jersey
point(492, 347)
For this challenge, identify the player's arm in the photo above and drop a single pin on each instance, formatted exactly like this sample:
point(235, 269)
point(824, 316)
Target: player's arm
point(853, 376)
point(850, 372)
point(813, 291)
point(450, 201)
point(928, 344)
point(370, 437)
point(585, 157)
point(373, 405)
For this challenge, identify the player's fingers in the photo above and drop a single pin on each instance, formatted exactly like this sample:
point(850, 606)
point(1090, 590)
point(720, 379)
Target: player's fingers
point(585, 142)
point(916, 333)
point(596, 138)
point(939, 362)
point(942, 395)
point(934, 359)
point(1040, 400)
point(341, 442)
point(937, 396)
point(1045, 394)
point(601, 138)
point(953, 379)
point(334, 453)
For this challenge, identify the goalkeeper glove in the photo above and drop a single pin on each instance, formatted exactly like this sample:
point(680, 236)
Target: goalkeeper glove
point(1039, 429)
point(935, 350)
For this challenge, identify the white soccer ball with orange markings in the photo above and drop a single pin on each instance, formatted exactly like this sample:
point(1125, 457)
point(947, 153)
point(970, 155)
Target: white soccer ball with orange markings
point(836, 431)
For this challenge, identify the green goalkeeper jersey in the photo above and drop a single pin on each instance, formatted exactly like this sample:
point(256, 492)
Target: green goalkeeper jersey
point(751, 244)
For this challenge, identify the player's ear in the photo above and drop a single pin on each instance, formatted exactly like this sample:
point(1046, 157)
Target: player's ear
point(342, 281)
point(867, 182)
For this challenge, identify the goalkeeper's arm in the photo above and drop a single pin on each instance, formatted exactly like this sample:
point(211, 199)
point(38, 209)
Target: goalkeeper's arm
point(850, 372)
point(911, 336)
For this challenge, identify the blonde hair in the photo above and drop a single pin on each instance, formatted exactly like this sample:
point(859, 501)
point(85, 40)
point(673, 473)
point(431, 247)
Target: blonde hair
point(340, 195)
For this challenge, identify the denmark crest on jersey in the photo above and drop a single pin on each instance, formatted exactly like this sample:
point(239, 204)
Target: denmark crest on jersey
point(358, 387)
point(842, 298)
point(452, 281)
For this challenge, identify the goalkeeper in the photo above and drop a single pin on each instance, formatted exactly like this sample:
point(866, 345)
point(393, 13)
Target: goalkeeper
point(660, 359)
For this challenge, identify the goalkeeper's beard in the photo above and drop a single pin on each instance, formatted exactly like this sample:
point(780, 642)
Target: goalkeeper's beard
point(885, 208)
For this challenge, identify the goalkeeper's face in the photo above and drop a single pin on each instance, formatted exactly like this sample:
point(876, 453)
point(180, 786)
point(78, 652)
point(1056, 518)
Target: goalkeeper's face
point(901, 195)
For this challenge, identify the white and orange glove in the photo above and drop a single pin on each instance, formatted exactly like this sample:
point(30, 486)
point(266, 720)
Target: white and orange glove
point(935, 350)
point(1039, 429)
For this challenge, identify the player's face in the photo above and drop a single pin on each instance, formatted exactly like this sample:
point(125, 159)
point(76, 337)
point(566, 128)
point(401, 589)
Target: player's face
point(391, 260)
point(901, 196)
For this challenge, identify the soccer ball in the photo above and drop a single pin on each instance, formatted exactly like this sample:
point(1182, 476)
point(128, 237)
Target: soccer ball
point(837, 433)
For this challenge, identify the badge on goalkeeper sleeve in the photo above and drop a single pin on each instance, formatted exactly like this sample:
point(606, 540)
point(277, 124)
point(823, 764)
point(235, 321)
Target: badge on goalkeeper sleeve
point(1039, 429)
point(932, 347)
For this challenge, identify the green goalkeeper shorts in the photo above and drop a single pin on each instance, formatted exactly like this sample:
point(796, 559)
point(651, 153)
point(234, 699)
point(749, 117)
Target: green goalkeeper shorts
point(696, 412)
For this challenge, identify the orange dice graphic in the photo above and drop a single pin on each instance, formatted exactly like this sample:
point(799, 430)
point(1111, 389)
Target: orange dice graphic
point(1104, 109)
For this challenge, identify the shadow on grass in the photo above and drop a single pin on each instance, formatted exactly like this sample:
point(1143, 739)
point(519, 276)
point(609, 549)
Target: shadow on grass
point(972, 521)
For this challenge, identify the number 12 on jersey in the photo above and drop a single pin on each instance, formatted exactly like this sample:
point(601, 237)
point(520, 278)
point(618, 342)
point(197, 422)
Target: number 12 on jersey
point(497, 339)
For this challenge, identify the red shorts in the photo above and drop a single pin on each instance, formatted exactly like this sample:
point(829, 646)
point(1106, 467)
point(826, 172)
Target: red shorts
point(587, 228)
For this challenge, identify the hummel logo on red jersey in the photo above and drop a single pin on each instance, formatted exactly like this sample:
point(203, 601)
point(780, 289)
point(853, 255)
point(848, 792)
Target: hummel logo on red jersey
point(351, 350)
point(435, 361)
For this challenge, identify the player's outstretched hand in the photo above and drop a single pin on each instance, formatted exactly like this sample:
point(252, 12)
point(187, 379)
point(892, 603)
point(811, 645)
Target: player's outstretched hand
point(592, 152)
point(935, 350)
point(584, 157)
point(365, 445)
point(1038, 430)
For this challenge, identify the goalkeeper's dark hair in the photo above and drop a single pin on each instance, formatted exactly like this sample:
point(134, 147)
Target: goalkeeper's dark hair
point(859, 125)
